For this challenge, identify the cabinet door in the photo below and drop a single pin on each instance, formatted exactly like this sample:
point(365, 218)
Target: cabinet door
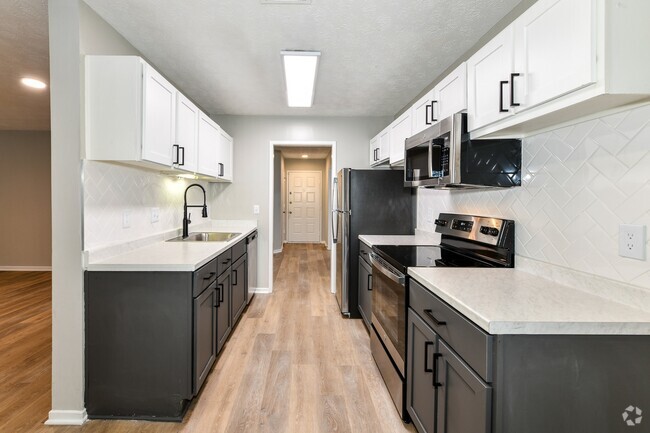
point(555, 50)
point(400, 130)
point(238, 291)
point(209, 135)
point(384, 145)
point(159, 106)
point(488, 75)
point(224, 316)
point(365, 291)
point(187, 134)
point(224, 156)
point(205, 329)
point(451, 93)
point(374, 145)
point(464, 400)
point(421, 117)
point(420, 390)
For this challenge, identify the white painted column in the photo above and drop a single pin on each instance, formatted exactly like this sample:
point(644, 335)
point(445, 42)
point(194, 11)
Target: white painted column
point(67, 272)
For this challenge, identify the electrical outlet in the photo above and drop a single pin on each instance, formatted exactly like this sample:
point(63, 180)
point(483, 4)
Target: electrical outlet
point(256, 209)
point(126, 219)
point(155, 214)
point(631, 241)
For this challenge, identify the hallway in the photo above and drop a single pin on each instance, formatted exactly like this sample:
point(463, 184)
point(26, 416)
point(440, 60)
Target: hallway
point(293, 364)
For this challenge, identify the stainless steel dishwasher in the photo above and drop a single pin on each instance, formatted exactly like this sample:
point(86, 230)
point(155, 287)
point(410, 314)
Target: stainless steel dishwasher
point(251, 249)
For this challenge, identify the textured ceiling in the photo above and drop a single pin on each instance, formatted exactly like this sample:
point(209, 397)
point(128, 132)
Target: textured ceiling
point(24, 52)
point(377, 55)
point(291, 152)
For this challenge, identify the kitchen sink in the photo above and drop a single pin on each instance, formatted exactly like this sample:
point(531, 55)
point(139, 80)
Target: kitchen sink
point(206, 237)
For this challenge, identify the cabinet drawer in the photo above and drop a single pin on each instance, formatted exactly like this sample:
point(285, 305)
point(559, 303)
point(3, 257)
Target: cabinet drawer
point(469, 341)
point(204, 276)
point(364, 251)
point(223, 261)
point(238, 250)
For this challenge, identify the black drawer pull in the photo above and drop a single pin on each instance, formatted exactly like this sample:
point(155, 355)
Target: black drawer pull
point(432, 317)
point(212, 274)
point(436, 384)
point(234, 277)
point(427, 369)
point(220, 288)
point(501, 109)
point(369, 281)
point(225, 262)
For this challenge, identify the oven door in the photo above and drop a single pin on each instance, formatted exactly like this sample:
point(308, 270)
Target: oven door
point(389, 309)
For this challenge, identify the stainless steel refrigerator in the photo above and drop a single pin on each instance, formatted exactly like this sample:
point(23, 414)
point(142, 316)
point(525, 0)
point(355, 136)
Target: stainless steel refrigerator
point(366, 202)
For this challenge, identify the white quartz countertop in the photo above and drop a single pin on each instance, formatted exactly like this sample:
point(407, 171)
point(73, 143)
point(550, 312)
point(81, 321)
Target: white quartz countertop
point(417, 239)
point(173, 256)
point(509, 301)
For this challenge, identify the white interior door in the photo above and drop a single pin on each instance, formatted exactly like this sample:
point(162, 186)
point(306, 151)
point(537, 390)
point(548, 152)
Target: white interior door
point(304, 206)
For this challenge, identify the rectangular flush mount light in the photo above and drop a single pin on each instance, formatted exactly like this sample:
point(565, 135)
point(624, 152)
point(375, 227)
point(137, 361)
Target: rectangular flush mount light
point(300, 76)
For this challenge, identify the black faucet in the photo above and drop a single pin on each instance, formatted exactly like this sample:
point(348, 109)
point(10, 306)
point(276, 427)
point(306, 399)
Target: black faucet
point(186, 217)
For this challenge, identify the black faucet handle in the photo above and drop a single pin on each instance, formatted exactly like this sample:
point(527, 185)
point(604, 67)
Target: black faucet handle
point(189, 218)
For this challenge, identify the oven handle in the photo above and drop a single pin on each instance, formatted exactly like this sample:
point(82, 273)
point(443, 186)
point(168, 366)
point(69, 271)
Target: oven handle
point(399, 279)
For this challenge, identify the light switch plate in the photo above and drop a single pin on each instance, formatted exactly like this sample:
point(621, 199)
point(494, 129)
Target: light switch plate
point(126, 219)
point(632, 241)
point(256, 209)
point(155, 214)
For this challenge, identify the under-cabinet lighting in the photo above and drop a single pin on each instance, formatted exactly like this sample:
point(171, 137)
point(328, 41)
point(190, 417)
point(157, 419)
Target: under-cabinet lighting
point(305, 156)
point(33, 83)
point(300, 76)
point(187, 176)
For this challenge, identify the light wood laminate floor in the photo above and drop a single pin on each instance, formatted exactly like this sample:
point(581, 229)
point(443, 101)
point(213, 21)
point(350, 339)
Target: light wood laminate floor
point(293, 364)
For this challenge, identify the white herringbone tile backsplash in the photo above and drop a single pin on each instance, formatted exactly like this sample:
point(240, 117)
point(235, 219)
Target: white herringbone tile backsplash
point(579, 183)
point(111, 189)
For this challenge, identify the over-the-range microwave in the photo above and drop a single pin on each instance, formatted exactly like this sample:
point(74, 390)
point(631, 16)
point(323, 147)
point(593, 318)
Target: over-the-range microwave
point(444, 156)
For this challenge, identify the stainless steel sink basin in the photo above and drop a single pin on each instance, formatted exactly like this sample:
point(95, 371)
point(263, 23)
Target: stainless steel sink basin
point(206, 237)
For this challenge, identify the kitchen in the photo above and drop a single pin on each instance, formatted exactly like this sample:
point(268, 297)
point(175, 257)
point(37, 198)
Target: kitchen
point(585, 180)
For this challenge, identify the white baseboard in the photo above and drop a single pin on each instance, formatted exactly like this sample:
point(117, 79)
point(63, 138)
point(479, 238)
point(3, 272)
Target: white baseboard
point(278, 251)
point(26, 268)
point(67, 417)
point(262, 290)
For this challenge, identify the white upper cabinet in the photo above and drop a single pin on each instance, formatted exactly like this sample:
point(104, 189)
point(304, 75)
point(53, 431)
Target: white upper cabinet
point(400, 130)
point(225, 156)
point(421, 117)
point(559, 61)
point(488, 71)
point(555, 50)
point(209, 137)
point(384, 145)
point(159, 113)
point(451, 93)
point(185, 150)
point(374, 145)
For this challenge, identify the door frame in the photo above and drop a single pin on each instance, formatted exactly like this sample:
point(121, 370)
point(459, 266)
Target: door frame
point(320, 205)
point(333, 171)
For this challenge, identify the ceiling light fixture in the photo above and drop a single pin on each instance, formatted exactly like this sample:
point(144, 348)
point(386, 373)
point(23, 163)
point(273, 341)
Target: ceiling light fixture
point(33, 83)
point(300, 76)
point(305, 156)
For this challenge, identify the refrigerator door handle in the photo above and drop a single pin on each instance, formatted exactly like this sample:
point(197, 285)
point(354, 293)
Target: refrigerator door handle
point(335, 211)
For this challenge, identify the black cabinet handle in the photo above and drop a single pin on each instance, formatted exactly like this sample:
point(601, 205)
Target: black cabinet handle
point(369, 281)
point(433, 117)
point(234, 277)
point(501, 109)
point(220, 288)
point(225, 262)
point(512, 89)
point(212, 274)
point(432, 317)
point(426, 113)
point(427, 369)
point(436, 384)
point(175, 150)
point(182, 160)
point(221, 170)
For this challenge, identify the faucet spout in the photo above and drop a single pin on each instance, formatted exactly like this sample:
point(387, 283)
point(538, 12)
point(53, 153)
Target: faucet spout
point(204, 212)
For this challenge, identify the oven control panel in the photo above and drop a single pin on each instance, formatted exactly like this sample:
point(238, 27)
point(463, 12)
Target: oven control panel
point(492, 231)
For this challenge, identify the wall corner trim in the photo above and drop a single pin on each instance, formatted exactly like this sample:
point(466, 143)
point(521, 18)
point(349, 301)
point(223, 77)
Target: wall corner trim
point(67, 417)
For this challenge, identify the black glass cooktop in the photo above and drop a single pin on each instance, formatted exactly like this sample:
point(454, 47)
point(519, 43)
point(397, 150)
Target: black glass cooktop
point(408, 256)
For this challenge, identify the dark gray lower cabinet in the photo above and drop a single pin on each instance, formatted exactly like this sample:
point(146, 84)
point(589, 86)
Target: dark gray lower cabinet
point(365, 291)
point(224, 318)
point(239, 291)
point(421, 392)
point(205, 334)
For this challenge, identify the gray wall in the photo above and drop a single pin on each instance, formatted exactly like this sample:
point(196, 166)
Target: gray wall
point(26, 218)
point(277, 200)
point(252, 135)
